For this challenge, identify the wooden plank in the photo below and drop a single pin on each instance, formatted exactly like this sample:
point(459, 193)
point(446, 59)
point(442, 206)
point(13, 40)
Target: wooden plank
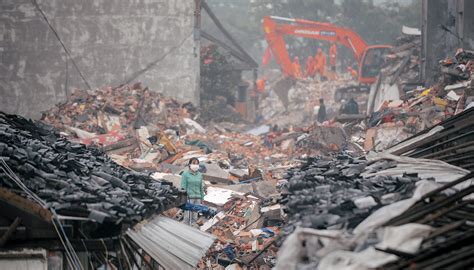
point(25, 204)
point(120, 144)
point(10, 231)
point(216, 179)
point(370, 139)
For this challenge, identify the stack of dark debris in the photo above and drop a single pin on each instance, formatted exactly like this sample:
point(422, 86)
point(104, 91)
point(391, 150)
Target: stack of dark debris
point(432, 230)
point(450, 242)
point(401, 106)
point(386, 212)
point(76, 180)
point(332, 194)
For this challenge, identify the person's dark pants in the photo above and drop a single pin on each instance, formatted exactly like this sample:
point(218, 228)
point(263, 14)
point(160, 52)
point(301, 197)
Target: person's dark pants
point(191, 217)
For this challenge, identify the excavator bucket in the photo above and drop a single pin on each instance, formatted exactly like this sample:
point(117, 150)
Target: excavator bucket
point(282, 87)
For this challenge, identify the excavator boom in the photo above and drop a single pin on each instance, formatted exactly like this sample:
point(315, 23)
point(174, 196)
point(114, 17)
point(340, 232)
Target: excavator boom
point(276, 28)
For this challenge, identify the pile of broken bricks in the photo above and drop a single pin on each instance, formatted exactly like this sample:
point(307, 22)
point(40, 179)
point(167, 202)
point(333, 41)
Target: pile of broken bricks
point(129, 122)
point(120, 109)
point(246, 228)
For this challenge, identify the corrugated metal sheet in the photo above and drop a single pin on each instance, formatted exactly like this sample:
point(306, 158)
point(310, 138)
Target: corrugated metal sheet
point(172, 244)
point(26, 259)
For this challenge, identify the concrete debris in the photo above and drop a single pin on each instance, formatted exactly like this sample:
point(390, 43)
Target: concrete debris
point(302, 103)
point(259, 130)
point(443, 142)
point(400, 106)
point(194, 125)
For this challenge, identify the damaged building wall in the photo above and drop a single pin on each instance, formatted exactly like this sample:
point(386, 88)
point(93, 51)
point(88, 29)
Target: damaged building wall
point(468, 26)
point(111, 42)
point(446, 26)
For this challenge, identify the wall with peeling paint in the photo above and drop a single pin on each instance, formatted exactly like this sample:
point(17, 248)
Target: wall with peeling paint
point(111, 42)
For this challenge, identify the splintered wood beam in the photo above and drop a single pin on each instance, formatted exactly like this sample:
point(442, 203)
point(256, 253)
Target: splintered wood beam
point(25, 204)
point(10, 231)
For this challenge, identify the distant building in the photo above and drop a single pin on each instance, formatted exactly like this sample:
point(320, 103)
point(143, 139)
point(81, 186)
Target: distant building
point(446, 26)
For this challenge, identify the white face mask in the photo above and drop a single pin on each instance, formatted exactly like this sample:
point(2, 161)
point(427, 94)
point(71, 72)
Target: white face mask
point(194, 167)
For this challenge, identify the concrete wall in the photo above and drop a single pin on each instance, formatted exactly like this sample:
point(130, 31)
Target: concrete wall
point(468, 26)
point(437, 44)
point(110, 40)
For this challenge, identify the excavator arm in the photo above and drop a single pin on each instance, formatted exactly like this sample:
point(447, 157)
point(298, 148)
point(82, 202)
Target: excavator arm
point(276, 28)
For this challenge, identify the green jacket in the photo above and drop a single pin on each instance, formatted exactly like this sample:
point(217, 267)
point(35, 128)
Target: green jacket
point(193, 184)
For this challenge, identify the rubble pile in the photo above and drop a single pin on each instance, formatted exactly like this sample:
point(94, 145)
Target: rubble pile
point(140, 129)
point(400, 106)
point(332, 193)
point(323, 139)
point(273, 148)
point(403, 65)
point(76, 180)
point(137, 127)
point(245, 233)
point(384, 211)
point(431, 230)
point(451, 141)
point(239, 149)
point(299, 105)
point(105, 116)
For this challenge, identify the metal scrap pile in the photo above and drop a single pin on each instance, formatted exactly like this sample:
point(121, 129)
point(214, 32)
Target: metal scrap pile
point(76, 180)
point(331, 193)
point(401, 106)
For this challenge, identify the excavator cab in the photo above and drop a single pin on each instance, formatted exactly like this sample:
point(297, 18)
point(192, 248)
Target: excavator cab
point(371, 63)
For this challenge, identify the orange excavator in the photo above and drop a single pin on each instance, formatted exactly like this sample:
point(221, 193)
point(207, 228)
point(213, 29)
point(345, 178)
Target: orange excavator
point(369, 58)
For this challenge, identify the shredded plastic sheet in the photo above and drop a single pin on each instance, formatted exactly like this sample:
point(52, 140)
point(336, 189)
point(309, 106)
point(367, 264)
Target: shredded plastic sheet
point(441, 171)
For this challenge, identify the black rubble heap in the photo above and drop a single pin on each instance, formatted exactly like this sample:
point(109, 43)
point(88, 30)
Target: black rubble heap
point(332, 193)
point(76, 180)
